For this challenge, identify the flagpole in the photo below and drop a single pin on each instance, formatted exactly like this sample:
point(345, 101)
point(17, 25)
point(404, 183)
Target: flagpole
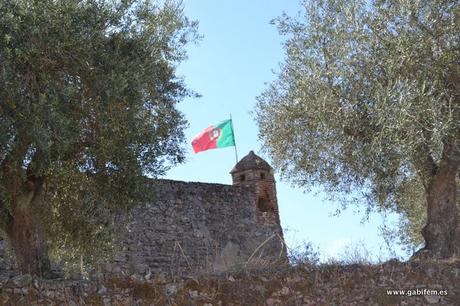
point(234, 141)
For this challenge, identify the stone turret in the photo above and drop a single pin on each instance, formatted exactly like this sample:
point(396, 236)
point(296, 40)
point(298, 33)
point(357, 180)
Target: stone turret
point(254, 170)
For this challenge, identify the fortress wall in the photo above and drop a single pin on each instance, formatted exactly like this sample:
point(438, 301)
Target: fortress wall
point(194, 227)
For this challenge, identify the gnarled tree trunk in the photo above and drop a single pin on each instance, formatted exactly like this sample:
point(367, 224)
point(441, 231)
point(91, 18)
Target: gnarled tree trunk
point(442, 230)
point(26, 232)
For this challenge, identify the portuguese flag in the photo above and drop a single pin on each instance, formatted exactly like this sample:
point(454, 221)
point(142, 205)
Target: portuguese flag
point(214, 136)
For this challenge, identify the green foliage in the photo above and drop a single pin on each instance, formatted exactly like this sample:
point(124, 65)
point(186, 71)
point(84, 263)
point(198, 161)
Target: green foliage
point(412, 209)
point(88, 94)
point(368, 98)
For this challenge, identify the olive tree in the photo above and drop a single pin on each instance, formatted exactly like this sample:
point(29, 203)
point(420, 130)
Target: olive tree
point(88, 94)
point(411, 207)
point(368, 99)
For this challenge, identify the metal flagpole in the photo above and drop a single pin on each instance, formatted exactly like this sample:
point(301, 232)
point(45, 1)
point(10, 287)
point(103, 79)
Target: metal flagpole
point(234, 141)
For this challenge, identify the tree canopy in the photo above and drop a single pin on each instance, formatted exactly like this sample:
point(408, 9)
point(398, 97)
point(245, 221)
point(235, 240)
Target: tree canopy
point(368, 98)
point(88, 95)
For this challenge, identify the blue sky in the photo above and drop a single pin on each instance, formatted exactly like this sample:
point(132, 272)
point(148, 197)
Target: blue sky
point(230, 67)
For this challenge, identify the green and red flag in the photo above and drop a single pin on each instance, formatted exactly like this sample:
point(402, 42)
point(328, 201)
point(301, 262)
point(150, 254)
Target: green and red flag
point(214, 136)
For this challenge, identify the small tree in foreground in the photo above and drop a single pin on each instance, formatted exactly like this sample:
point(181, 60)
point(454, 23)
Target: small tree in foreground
point(369, 99)
point(87, 107)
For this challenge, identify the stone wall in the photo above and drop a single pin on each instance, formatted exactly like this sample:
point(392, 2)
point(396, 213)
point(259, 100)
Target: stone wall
point(304, 285)
point(192, 228)
point(198, 227)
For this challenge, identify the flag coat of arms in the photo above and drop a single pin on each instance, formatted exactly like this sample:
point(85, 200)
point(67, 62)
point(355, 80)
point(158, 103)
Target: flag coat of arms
point(214, 136)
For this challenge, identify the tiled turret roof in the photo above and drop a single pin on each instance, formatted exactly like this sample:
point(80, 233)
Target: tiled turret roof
point(251, 162)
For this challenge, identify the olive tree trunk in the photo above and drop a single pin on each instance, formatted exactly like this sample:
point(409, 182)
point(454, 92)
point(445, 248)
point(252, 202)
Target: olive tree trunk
point(26, 232)
point(442, 229)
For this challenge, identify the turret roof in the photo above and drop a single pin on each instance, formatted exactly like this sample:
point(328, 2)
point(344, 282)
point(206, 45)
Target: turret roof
point(251, 162)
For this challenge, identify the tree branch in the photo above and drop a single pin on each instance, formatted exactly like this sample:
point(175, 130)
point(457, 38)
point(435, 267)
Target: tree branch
point(5, 216)
point(424, 163)
point(10, 168)
point(450, 159)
